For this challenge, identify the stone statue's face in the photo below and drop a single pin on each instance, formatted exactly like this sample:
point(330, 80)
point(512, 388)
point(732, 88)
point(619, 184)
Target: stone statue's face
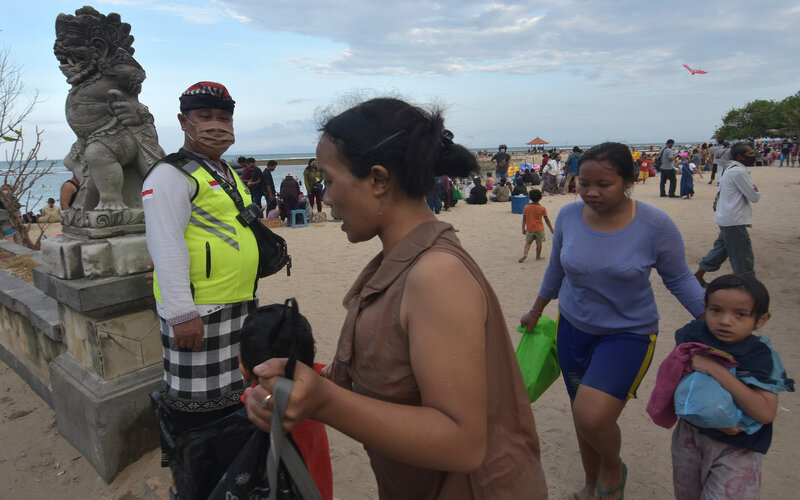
point(77, 58)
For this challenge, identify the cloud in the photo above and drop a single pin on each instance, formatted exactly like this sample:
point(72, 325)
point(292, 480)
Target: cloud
point(298, 135)
point(188, 11)
point(601, 40)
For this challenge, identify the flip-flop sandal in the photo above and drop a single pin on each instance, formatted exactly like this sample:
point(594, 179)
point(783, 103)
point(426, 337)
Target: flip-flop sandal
point(620, 486)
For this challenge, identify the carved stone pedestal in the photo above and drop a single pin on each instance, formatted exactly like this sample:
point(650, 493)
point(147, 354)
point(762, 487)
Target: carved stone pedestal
point(72, 256)
point(109, 421)
point(103, 223)
point(100, 385)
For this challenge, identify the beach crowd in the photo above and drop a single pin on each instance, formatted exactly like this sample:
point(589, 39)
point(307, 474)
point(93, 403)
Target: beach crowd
point(425, 373)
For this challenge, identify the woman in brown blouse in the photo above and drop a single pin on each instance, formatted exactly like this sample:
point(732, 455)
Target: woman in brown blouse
point(424, 374)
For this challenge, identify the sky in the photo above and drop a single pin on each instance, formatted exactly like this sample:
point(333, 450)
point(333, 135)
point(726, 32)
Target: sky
point(570, 71)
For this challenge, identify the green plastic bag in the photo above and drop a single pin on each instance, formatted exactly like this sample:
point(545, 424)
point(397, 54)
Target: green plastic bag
point(538, 358)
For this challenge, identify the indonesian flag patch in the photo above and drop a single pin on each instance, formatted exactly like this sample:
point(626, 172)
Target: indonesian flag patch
point(214, 185)
point(147, 194)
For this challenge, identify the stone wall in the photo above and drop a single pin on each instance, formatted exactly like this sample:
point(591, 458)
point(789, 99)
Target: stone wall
point(30, 330)
point(91, 349)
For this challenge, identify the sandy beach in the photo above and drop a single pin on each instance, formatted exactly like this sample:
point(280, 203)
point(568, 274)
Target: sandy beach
point(35, 462)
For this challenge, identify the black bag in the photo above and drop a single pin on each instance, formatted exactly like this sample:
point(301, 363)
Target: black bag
point(273, 254)
point(657, 161)
point(201, 456)
point(267, 460)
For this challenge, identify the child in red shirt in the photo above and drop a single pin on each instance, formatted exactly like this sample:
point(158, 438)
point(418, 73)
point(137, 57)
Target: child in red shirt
point(271, 332)
point(532, 226)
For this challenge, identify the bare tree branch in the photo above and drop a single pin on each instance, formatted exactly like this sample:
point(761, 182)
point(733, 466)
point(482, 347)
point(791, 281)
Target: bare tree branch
point(24, 168)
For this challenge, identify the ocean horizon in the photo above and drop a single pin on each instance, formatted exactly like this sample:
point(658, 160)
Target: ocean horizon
point(49, 185)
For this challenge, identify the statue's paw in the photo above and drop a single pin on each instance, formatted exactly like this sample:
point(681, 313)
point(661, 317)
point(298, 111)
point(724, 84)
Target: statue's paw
point(115, 205)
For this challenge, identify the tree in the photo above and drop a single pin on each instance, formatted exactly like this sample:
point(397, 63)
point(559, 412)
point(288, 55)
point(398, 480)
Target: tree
point(762, 118)
point(759, 118)
point(789, 110)
point(24, 168)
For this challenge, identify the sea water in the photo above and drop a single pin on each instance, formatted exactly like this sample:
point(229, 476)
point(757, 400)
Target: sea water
point(49, 185)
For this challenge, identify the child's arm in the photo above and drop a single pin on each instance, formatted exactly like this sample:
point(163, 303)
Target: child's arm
point(547, 220)
point(523, 223)
point(759, 404)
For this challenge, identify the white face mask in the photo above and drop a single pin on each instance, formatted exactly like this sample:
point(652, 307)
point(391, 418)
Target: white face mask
point(214, 136)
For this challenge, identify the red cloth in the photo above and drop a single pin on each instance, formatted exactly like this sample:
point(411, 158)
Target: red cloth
point(312, 440)
point(661, 406)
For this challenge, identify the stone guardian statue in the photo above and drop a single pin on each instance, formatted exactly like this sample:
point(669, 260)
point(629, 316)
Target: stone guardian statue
point(116, 141)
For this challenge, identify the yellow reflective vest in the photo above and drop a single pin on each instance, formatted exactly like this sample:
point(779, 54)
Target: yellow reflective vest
point(223, 254)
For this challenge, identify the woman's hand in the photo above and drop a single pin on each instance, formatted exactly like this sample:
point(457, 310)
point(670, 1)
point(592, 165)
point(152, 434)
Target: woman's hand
point(531, 318)
point(327, 371)
point(305, 399)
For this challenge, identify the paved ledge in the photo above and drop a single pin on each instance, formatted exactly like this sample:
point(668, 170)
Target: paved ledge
point(33, 304)
point(12, 247)
point(112, 295)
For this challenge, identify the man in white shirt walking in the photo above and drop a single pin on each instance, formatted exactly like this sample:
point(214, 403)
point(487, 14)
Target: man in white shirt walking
point(733, 215)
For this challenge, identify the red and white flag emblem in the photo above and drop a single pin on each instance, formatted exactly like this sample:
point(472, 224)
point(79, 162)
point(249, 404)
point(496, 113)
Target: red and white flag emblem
point(214, 185)
point(147, 194)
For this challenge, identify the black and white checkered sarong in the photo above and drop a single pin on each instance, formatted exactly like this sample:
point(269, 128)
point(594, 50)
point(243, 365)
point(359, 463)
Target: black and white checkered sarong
point(207, 379)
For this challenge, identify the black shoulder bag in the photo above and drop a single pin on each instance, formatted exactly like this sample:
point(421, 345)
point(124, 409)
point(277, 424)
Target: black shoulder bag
point(273, 254)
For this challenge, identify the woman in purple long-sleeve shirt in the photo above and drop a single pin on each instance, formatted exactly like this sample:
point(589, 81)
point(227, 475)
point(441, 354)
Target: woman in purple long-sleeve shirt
point(604, 248)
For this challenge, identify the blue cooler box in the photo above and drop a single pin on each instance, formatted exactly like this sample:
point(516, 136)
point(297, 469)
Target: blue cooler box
point(518, 204)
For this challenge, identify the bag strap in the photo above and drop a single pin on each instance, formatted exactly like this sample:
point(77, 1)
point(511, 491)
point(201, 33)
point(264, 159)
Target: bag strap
point(226, 186)
point(280, 450)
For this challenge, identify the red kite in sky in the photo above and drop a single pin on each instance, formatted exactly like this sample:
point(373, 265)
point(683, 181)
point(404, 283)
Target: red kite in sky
point(695, 71)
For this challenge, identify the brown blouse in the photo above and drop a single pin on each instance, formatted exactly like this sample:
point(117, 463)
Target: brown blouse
point(373, 359)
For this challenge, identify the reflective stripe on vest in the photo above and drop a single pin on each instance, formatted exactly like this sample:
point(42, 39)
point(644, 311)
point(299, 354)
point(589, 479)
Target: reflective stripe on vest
point(223, 254)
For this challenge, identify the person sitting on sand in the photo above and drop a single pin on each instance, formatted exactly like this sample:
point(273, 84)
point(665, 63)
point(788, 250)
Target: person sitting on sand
point(519, 188)
point(440, 423)
point(289, 194)
point(477, 195)
point(501, 192)
point(50, 212)
point(69, 190)
point(490, 182)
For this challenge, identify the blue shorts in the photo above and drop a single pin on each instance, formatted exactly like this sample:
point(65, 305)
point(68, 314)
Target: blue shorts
point(615, 363)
